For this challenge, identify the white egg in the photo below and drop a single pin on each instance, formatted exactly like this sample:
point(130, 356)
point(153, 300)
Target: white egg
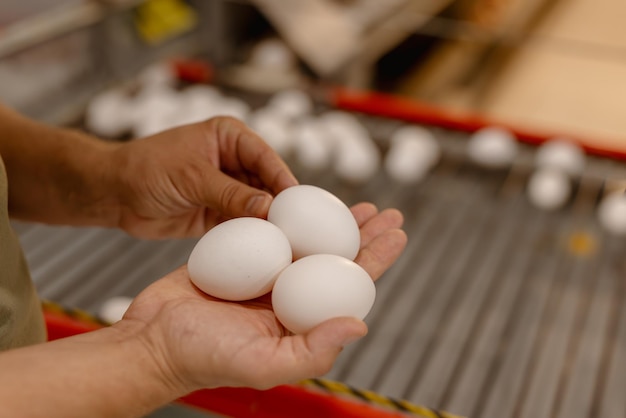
point(321, 287)
point(492, 147)
point(561, 154)
point(272, 54)
point(357, 159)
point(239, 259)
point(312, 147)
point(233, 107)
point(291, 103)
point(340, 124)
point(158, 74)
point(316, 222)
point(113, 309)
point(152, 124)
point(549, 189)
point(413, 152)
point(612, 213)
point(274, 128)
point(107, 114)
point(154, 102)
point(201, 96)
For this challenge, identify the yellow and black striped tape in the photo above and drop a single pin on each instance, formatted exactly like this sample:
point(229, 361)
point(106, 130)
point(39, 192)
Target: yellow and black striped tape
point(333, 387)
point(374, 398)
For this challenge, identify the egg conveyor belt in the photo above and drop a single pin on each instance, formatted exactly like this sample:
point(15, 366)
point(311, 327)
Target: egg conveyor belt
point(496, 308)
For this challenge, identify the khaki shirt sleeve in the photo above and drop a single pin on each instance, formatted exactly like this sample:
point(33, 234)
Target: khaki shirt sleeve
point(21, 318)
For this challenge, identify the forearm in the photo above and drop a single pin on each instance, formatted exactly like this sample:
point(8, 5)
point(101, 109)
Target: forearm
point(107, 373)
point(56, 175)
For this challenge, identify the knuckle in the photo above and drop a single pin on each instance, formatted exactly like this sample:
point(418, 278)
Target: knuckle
point(228, 195)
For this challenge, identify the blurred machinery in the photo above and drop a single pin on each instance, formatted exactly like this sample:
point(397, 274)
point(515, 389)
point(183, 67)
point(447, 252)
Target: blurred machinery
point(509, 301)
point(434, 45)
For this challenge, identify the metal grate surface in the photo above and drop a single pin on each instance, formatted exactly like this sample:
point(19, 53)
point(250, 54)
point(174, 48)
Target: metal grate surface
point(496, 309)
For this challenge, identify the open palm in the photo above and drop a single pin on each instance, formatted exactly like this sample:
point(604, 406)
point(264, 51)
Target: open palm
point(209, 342)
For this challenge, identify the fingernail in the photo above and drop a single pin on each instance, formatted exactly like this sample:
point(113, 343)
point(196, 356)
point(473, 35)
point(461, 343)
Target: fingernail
point(258, 205)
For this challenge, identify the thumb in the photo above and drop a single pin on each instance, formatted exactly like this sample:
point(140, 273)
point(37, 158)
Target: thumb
point(325, 342)
point(335, 333)
point(233, 198)
point(299, 357)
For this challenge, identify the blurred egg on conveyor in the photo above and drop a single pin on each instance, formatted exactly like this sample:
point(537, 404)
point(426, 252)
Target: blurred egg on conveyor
point(201, 95)
point(549, 189)
point(113, 309)
point(612, 213)
point(357, 157)
point(319, 287)
point(413, 152)
point(272, 54)
point(492, 147)
point(315, 221)
point(340, 124)
point(158, 74)
point(273, 127)
point(291, 103)
point(239, 259)
point(312, 147)
point(107, 114)
point(197, 104)
point(154, 101)
point(152, 124)
point(234, 108)
point(561, 154)
point(357, 160)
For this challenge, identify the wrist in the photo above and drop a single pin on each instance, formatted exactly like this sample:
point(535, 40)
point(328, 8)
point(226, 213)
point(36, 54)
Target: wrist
point(57, 175)
point(99, 196)
point(150, 356)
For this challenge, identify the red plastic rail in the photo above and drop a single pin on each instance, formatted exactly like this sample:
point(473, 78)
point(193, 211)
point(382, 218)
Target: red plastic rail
point(286, 401)
point(411, 110)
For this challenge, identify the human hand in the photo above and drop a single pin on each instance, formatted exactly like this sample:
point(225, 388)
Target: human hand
point(203, 342)
point(182, 182)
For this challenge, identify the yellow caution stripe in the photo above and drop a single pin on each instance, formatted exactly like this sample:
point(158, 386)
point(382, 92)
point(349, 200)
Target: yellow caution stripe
point(377, 399)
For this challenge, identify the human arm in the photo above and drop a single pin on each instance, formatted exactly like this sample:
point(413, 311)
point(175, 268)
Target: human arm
point(177, 183)
point(175, 339)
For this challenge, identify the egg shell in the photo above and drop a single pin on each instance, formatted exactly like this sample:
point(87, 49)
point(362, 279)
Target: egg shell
point(233, 107)
point(312, 147)
point(239, 259)
point(357, 159)
point(315, 221)
point(291, 103)
point(612, 213)
point(272, 54)
point(158, 74)
point(561, 154)
point(107, 114)
point(414, 151)
point(549, 189)
point(152, 103)
point(273, 127)
point(492, 147)
point(340, 124)
point(320, 287)
point(113, 309)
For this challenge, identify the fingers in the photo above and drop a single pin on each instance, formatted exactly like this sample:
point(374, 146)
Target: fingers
point(381, 252)
point(241, 149)
point(382, 240)
point(387, 219)
point(363, 212)
point(305, 356)
point(233, 198)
